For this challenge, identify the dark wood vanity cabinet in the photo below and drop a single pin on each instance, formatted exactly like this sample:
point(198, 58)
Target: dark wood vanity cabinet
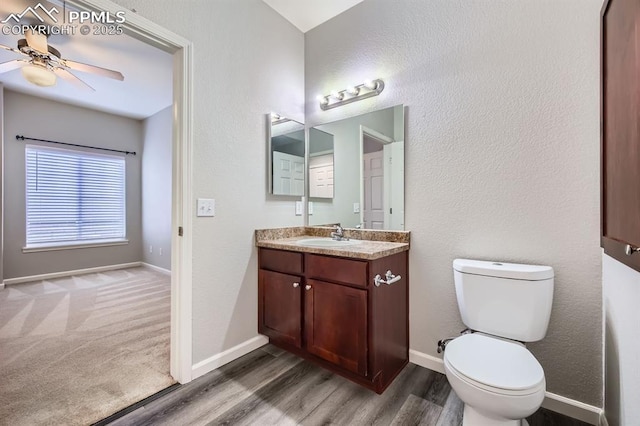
point(335, 319)
point(281, 300)
point(620, 135)
point(328, 310)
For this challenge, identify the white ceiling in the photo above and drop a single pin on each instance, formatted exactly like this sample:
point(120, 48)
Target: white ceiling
point(308, 14)
point(147, 85)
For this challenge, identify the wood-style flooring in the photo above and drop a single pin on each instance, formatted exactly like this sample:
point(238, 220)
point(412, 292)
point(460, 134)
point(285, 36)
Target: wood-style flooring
point(271, 387)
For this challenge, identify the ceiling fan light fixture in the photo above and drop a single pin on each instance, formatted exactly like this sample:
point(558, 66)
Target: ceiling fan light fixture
point(38, 75)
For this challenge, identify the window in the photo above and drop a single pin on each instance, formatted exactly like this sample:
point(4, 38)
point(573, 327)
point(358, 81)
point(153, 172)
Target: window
point(74, 197)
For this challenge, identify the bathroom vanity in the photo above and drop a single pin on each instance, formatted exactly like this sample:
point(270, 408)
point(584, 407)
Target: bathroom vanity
point(336, 304)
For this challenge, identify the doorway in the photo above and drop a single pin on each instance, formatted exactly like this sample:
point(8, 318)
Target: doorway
point(181, 209)
point(181, 266)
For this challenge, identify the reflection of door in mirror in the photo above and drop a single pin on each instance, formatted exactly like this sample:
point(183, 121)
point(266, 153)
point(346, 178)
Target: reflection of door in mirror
point(286, 156)
point(375, 185)
point(379, 186)
point(288, 174)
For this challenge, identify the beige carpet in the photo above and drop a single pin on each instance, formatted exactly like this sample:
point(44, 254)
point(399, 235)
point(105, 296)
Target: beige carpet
point(75, 350)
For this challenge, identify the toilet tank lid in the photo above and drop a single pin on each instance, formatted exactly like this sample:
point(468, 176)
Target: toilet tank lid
point(514, 271)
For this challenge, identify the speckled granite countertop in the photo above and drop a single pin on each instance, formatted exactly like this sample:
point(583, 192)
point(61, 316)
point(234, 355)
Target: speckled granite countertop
point(373, 244)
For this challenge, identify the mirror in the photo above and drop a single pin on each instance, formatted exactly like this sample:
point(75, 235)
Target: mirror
point(286, 156)
point(357, 177)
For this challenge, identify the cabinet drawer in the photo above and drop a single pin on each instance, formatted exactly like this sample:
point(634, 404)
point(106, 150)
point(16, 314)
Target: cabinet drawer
point(282, 261)
point(345, 271)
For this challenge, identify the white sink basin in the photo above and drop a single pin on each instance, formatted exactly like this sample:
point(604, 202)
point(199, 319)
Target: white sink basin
point(327, 242)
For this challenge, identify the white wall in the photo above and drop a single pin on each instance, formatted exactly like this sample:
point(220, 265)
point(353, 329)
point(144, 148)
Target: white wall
point(248, 62)
point(502, 151)
point(45, 119)
point(156, 189)
point(621, 294)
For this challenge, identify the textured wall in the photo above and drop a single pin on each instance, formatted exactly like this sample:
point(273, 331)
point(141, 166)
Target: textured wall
point(248, 62)
point(45, 119)
point(502, 147)
point(156, 188)
point(621, 293)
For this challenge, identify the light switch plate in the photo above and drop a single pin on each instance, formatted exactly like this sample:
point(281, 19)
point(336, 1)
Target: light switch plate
point(356, 207)
point(298, 208)
point(310, 207)
point(206, 207)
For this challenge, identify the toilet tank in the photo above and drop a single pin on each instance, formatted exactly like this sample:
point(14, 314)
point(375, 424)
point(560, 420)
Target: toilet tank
point(504, 299)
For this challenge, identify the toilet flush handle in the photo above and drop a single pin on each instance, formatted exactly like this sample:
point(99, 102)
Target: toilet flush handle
point(390, 279)
point(629, 249)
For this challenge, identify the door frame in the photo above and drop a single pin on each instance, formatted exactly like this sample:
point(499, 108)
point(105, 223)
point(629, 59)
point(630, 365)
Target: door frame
point(182, 158)
point(384, 140)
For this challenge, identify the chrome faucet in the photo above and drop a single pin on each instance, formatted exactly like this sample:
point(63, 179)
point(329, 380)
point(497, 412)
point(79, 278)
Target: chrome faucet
point(338, 234)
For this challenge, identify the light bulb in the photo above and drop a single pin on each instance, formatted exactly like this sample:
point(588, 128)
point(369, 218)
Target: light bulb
point(371, 85)
point(338, 95)
point(322, 99)
point(39, 75)
point(353, 91)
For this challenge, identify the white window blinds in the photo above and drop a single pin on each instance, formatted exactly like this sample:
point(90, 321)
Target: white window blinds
point(74, 196)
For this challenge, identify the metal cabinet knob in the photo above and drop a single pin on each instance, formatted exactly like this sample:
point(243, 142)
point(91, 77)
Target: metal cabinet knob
point(307, 287)
point(629, 249)
point(296, 285)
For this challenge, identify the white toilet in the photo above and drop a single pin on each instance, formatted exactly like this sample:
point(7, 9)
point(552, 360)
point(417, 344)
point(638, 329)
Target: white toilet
point(493, 373)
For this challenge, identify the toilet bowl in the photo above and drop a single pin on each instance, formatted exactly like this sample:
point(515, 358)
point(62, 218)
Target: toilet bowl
point(490, 369)
point(499, 381)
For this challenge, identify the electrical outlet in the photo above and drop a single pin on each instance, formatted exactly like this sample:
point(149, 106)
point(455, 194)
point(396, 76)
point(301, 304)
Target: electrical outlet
point(206, 207)
point(310, 207)
point(150, 249)
point(298, 208)
point(160, 251)
point(356, 207)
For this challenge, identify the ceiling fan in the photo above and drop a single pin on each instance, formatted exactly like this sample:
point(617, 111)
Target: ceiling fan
point(44, 63)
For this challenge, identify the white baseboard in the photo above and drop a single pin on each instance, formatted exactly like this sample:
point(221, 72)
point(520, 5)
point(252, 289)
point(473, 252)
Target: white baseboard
point(20, 280)
point(203, 367)
point(156, 268)
point(572, 408)
point(603, 419)
point(2, 286)
point(559, 404)
point(427, 361)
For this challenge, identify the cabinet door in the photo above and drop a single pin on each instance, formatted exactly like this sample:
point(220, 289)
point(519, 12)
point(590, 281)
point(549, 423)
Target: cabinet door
point(280, 307)
point(336, 324)
point(621, 129)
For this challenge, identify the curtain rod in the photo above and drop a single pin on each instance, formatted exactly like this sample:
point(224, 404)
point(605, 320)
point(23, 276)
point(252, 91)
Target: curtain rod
point(23, 138)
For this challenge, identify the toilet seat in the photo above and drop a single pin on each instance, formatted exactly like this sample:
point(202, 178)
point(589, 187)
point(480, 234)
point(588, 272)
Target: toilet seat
point(495, 365)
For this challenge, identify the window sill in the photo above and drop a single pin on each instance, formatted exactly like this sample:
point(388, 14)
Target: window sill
point(36, 248)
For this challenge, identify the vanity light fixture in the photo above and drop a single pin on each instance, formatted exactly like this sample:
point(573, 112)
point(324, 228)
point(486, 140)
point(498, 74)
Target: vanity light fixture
point(351, 94)
point(278, 119)
point(324, 100)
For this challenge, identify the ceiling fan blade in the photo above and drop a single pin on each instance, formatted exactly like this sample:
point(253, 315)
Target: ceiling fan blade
point(37, 41)
point(11, 49)
point(12, 65)
point(67, 76)
point(92, 69)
